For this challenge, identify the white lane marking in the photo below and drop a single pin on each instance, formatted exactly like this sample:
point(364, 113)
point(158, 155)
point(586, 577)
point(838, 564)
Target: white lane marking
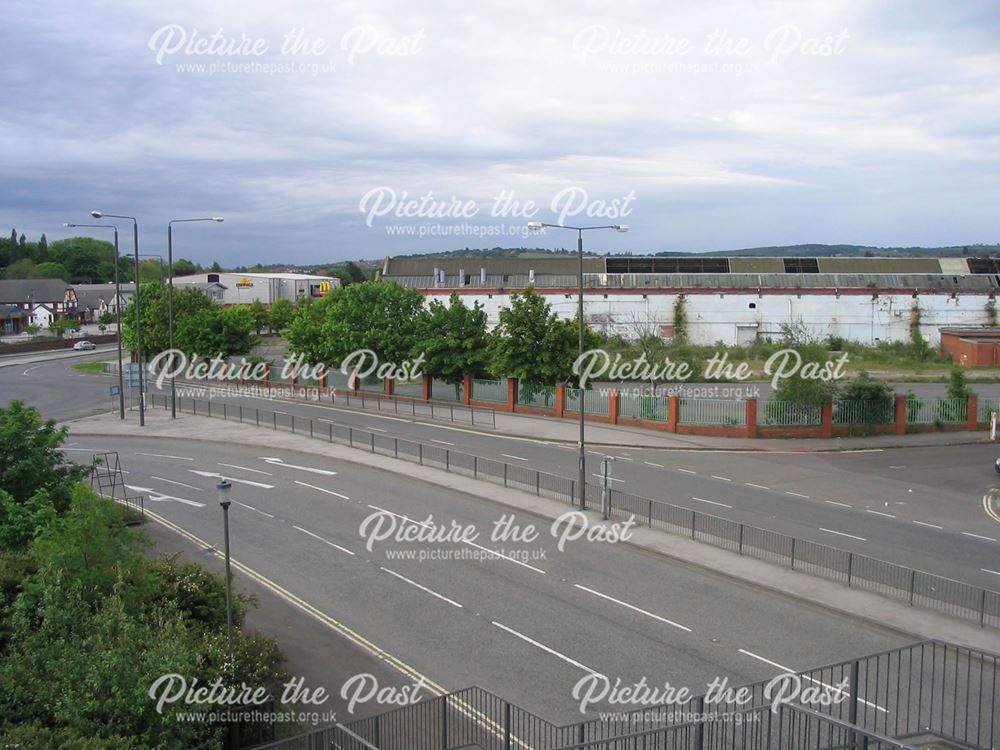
point(796, 494)
point(987, 570)
point(610, 479)
point(650, 463)
point(841, 533)
point(758, 486)
point(978, 536)
point(320, 419)
point(687, 471)
point(834, 502)
point(281, 462)
point(325, 541)
point(280, 412)
point(255, 510)
point(624, 458)
point(217, 475)
point(711, 502)
point(161, 455)
point(879, 513)
point(432, 592)
point(179, 484)
point(471, 544)
point(442, 442)
point(806, 677)
point(321, 489)
point(929, 525)
point(724, 479)
point(516, 458)
point(373, 429)
point(157, 497)
point(245, 468)
point(634, 608)
point(545, 648)
point(83, 450)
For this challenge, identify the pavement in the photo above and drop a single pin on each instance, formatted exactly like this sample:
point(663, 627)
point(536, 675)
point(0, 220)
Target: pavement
point(780, 581)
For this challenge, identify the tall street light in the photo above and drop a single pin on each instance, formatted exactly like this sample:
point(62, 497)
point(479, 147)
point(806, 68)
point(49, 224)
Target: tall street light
point(118, 315)
point(225, 488)
point(537, 226)
point(138, 316)
point(170, 301)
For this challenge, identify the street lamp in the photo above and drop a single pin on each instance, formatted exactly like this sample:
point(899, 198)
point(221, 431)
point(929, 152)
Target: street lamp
point(170, 301)
point(537, 226)
point(118, 315)
point(138, 338)
point(225, 488)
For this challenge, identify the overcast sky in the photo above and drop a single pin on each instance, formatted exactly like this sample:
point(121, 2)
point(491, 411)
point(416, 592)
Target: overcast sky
point(323, 130)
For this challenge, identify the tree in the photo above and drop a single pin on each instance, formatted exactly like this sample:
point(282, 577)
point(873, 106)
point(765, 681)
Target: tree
point(215, 266)
point(379, 316)
point(49, 270)
point(348, 273)
point(88, 260)
point(280, 315)
point(453, 340)
point(20, 269)
point(60, 326)
point(534, 345)
point(32, 459)
point(155, 317)
point(216, 331)
point(106, 318)
point(184, 267)
point(261, 318)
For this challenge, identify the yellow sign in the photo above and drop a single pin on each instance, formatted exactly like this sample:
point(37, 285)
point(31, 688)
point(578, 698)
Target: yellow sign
point(244, 283)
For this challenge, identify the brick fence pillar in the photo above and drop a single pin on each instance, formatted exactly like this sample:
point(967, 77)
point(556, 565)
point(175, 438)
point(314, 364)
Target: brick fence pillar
point(425, 391)
point(751, 417)
point(267, 374)
point(673, 412)
point(467, 389)
point(826, 420)
point(613, 407)
point(973, 413)
point(900, 415)
point(387, 386)
point(560, 400)
point(511, 394)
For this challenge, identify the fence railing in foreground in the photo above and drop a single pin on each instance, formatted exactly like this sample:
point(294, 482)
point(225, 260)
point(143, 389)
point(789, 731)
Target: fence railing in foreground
point(915, 587)
point(901, 698)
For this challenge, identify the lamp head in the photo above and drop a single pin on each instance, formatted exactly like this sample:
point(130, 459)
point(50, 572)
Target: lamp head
point(621, 227)
point(218, 219)
point(224, 487)
point(69, 225)
point(97, 214)
point(535, 226)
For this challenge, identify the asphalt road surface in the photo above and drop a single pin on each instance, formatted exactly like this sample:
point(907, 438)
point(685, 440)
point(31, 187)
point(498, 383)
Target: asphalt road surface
point(922, 507)
point(528, 623)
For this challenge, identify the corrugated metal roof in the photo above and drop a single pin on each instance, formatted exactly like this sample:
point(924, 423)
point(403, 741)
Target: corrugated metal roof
point(756, 265)
point(880, 265)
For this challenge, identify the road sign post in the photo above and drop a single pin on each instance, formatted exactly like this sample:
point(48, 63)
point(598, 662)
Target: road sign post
point(606, 477)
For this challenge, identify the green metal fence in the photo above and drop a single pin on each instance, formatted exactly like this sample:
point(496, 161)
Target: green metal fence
point(336, 379)
point(409, 388)
point(539, 396)
point(850, 413)
point(594, 402)
point(372, 383)
point(494, 391)
point(932, 410)
point(986, 407)
point(642, 406)
point(277, 374)
point(790, 414)
point(713, 411)
point(442, 390)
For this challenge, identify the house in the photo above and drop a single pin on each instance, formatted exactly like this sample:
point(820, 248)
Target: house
point(40, 301)
point(92, 300)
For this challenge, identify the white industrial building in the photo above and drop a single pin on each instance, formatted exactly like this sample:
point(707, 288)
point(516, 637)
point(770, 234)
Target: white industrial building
point(729, 300)
point(245, 288)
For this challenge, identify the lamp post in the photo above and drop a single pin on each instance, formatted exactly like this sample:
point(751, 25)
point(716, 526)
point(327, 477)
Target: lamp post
point(170, 301)
point(537, 226)
point(225, 488)
point(118, 315)
point(138, 316)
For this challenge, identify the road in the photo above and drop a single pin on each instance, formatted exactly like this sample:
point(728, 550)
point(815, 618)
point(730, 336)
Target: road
point(921, 507)
point(527, 625)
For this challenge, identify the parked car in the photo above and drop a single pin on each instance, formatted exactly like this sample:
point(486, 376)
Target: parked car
point(84, 345)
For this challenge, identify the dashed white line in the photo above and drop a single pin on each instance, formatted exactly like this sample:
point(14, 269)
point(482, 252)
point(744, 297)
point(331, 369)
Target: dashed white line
point(929, 525)
point(281, 412)
point(255, 510)
point(711, 502)
point(775, 664)
point(322, 489)
point(724, 479)
point(841, 533)
point(432, 592)
point(650, 463)
point(329, 421)
point(624, 458)
point(834, 502)
point(443, 442)
point(516, 458)
point(545, 648)
point(379, 429)
point(879, 513)
point(633, 608)
point(244, 468)
point(687, 471)
point(610, 479)
point(796, 494)
point(758, 486)
point(987, 570)
point(161, 455)
point(181, 484)
point(978, 536)
point(325, 541)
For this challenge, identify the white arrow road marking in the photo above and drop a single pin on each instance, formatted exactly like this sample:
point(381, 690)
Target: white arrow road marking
point(245, 468)
point(321, 489)
point(156, 497)
point(217, 475)
point(281, 462)
point(179, 484)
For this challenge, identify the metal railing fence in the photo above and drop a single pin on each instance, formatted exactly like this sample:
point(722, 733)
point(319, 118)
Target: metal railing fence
point(712, 411)
point(494, 391)
point(857, 413)
point(790, 414)
point(642, 406)
point(917, 588)
point(931, 690)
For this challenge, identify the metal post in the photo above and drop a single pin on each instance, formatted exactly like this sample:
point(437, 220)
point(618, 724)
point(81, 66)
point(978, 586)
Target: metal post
point(170, 317)
point(505, 475)
point(118, 323)
point(579, 312)
point(741, 539)
point(224, 488)
point(138, 317)
point(475, 467)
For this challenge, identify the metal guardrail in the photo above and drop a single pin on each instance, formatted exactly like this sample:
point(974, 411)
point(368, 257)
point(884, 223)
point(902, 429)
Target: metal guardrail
point(918, 588)
point(928, 690)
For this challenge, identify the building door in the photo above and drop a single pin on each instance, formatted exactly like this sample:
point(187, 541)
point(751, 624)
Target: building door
point(746, 334)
